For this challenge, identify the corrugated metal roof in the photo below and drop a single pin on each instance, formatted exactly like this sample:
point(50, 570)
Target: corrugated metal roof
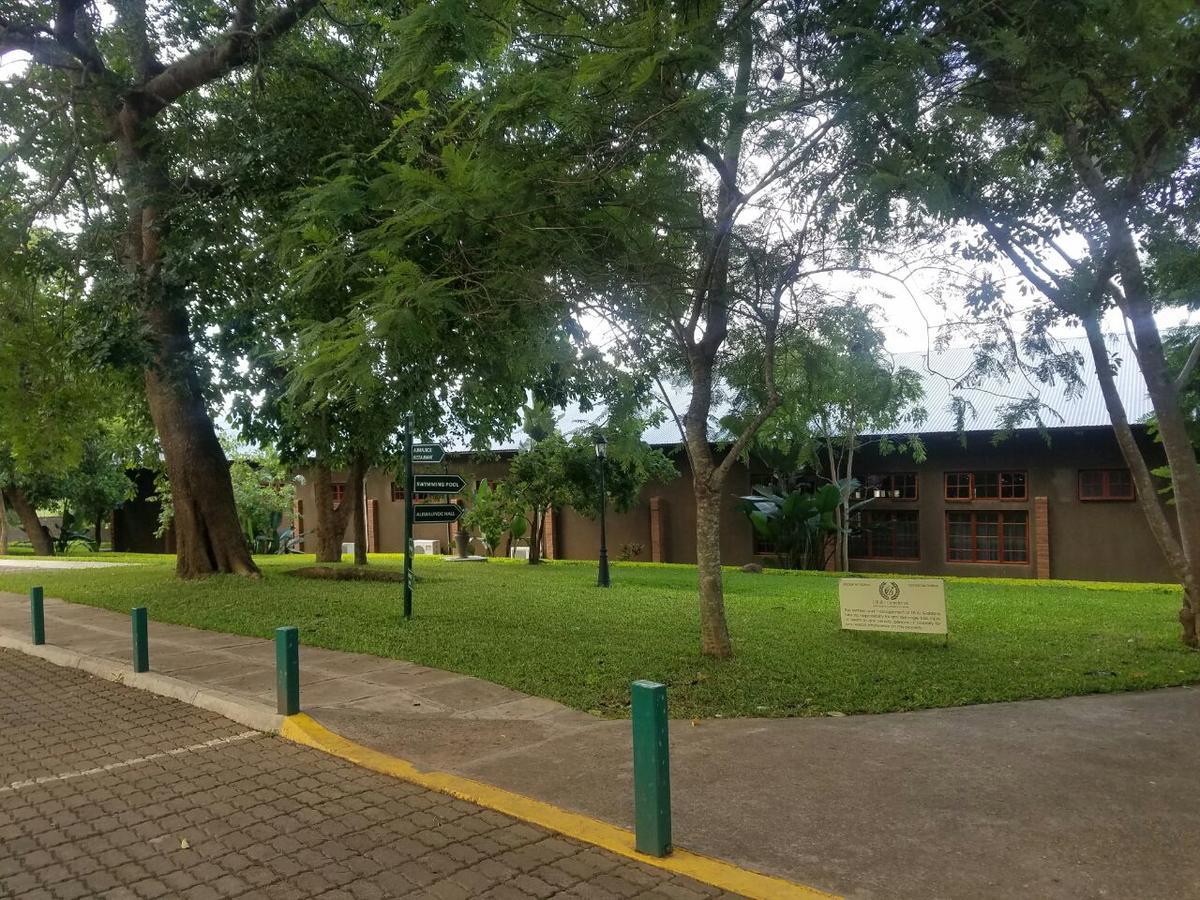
point(946, 375)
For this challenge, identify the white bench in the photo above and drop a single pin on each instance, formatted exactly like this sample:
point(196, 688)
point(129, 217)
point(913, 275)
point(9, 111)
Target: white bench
point(519, 553)
point(430, 548)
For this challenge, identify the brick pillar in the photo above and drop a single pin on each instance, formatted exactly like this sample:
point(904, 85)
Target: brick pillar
point(1041, 536)
point(657, 547)
point(548, 535)
point(372, 526)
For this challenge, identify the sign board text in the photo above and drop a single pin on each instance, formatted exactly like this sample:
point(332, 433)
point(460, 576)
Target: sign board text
point(428, 453)
point(436, 512)
point(913, 605)
point(438, 484)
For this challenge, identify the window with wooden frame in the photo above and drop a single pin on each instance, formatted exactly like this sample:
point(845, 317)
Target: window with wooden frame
point(892, 486)
point(339, 493)
point(958, 485)
point(1003, 485)
point(1105, 484)
point(398, 494)
point(886, 534)
point(987, 537)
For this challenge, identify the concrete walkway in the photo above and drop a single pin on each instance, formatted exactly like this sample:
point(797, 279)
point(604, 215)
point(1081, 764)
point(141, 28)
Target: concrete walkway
point(1081, 797)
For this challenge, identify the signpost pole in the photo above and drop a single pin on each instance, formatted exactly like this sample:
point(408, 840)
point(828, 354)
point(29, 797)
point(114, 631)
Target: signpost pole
point(408, 519)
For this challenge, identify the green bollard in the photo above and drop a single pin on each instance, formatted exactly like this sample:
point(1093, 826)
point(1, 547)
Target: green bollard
point(287, 670)
point(37, 615)
point(651, 769)
point(141, 640)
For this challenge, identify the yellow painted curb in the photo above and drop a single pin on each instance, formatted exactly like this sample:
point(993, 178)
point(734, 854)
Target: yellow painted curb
point(304, 730)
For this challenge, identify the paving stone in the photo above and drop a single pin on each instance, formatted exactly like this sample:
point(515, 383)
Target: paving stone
point(261, 817)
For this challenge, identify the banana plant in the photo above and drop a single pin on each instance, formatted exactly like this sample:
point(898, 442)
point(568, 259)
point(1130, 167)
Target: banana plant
point(798, 523)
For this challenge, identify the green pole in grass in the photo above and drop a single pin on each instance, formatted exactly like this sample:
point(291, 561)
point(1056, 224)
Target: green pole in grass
point(141, 639)
point(37, 615)
point(651, 769)
point(287, 670)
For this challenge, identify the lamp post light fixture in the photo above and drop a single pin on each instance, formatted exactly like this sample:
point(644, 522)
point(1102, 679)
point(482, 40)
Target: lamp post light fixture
point(602, 456)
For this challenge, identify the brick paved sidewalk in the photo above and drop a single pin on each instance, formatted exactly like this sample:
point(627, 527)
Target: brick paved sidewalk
point(110, 792)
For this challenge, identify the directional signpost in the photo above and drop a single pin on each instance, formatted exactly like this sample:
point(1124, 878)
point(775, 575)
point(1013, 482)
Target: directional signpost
point(430, 513)
point(408, 518)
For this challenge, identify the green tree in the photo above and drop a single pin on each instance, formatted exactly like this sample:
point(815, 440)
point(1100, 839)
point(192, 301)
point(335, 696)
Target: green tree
point(319, 105)
point(264, 489)
point(419, 290)
point(103, 123)
point(62, 439)
point(553, 470)
point(840, 392)
point(493, 513)
point(537, 483)
point(1067, 135)
point(631, 463)
point(694, 196)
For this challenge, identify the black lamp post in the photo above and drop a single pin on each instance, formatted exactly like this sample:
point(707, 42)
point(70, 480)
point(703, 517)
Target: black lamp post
point(602, 455)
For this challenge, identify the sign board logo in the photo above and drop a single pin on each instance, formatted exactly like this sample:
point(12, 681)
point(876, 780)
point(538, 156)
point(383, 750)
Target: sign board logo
point(889, 590)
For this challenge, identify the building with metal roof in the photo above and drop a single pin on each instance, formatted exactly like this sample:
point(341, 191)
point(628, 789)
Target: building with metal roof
point(1050, 502)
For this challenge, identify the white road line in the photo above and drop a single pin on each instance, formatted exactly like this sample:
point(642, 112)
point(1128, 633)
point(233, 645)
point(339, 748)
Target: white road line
point(125, 764)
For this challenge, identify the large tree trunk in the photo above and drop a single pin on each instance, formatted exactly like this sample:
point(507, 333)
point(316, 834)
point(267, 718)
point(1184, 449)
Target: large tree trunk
point(707, 482)
point(535, 536)
point(356, 495)
point(208, 535)
point(39, 534)
point(331, 517)
point(714, 632)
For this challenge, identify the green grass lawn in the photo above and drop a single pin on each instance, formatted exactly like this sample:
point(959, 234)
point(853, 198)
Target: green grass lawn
point(549, 631)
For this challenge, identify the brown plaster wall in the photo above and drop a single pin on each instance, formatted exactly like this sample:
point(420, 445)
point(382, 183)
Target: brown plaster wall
point(579, 536)
point(1088, 540)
